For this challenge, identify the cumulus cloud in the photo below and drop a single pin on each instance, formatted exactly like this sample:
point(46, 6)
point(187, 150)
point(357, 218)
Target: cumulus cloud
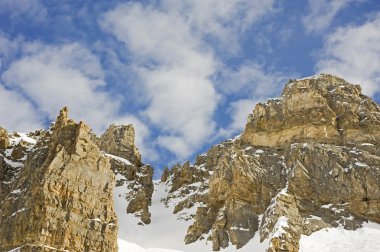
point(322, 12)
point(16, 113)
point(8, 49)
point(353, 52)
point(66, 75)
point(21, 9)
point(173, 46)
point(222, 20)
point(47, 77)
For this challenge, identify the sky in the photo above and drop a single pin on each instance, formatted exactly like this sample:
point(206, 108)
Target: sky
point(184, 73)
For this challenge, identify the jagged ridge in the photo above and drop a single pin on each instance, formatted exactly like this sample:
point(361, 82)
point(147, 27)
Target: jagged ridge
point(57, 187)
point(305, 161)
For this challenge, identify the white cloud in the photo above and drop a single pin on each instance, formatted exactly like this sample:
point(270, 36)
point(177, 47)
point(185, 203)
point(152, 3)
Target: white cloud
point(57, 76)
point(353, 52)
point(50, 77)
point(8, 49)
point(223, 20)
point(16, 113)
point(251, 79)
point(21, 9)
point(322, 12)
point(239, 111)
point(173, 45)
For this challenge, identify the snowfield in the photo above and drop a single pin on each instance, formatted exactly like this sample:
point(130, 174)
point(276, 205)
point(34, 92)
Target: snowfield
point(366, 239)
point(125, 246)
point(166, 233)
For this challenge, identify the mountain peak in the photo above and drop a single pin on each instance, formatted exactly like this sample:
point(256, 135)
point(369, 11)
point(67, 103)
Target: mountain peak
point(322, 108)
point(306, 161)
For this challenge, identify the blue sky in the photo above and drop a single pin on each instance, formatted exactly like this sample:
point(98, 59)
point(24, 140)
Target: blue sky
point(185, 73)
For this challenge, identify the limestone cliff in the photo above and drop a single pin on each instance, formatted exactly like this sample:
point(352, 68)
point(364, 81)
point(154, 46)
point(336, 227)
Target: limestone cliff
point(134, 180)
point(305, 161)
point(56, 192)
point(58, 187)
point(119, 140)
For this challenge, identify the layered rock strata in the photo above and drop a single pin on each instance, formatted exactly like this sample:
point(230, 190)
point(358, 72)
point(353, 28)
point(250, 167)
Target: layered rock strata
point(56, 192)
point(305, 161)
point(119, 140)
point(134, 180)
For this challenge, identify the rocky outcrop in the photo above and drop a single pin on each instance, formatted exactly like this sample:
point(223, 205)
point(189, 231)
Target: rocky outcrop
point(134, 184)
point(188, 185)
point(134, 180)
point(59, 198)
point(119, 140)
point(4, 139)
point(324, 108)
point(305, 161)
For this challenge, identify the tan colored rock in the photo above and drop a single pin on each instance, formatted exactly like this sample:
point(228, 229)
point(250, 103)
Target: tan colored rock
point(138, 185)
point(119, 140)
point(62, 198)
point(118, 143)
point(165, 175)
point(306, 161)
point(20, 150)
point(323, 109)
point(4, 139)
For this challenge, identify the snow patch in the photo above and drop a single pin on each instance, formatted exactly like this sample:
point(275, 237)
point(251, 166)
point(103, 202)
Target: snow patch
point(125, 246)
point(258, 151)
point(166, 233)
point(123, 160)
point(316, 76)
point(360, 164)
point(366, 144)
point(281, 223)
point(365, 239)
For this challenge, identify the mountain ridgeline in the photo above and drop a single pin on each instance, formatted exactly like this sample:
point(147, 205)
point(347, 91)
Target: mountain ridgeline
point(305, 161)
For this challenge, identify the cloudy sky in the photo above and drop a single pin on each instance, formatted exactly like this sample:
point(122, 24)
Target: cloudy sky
point(185, 73)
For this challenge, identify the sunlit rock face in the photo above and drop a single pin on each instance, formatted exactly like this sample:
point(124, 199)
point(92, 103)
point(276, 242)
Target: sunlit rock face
point(119, 140)
point(56, 192)
point(324, 109)
point(134, 180)
point(58, 187)
point(305, 161)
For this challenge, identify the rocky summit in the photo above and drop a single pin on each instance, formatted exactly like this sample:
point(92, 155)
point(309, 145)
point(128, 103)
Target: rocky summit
point(57, 187)
point(306, 161)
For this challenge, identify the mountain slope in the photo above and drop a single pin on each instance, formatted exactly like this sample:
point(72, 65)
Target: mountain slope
point(303, 174)
point(306, 161)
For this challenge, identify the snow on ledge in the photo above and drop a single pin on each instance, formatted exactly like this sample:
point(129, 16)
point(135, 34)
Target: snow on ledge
point(123, 160)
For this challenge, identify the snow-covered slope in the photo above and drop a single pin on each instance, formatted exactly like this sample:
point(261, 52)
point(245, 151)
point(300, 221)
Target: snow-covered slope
point(366, 239)
point(166, 233)
point(132, 247)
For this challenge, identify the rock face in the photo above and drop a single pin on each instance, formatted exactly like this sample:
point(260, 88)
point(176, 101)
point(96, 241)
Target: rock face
point(134, 184)
point(119, 140)
point(305, 161)
point(4, 139)
point(56, 192)
point(323, 109)
point(134, 180)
